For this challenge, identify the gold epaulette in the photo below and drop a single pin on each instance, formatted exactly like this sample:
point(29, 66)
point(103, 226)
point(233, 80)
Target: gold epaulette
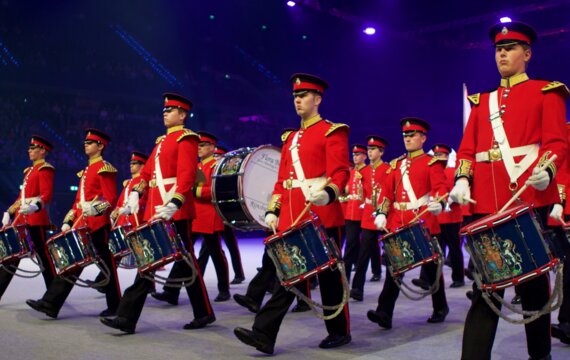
point(26, 169)
point(285, 135)
point(107, 168)
point(141, 186)
point(159, 138)
point(125, 182)
point(474, 98)
point(47, 166)
point(335, 126)
point(80, 174)
point(435, 159)
point(394, 162)
point(187, 133)
point(557, 86)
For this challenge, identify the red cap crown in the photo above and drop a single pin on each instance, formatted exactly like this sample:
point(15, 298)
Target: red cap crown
point(512, 32)
point(306, 82)
point(40, 141)
point(442, 148)
point(375, 140)
point(220, 150)
point(358, 149)
point(139, 156)
point(97, 135)
point(176, 100)
point(207, 137)
point(414, 124)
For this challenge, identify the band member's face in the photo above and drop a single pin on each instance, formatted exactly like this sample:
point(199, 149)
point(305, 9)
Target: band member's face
point(173, 117)
point(92, 148)
point(375, 153)
point(307, 104)
point(36, 152)
point(136, 167)
point(358, 158)
point(511, 59)
point(414, 141)
point(205, 149)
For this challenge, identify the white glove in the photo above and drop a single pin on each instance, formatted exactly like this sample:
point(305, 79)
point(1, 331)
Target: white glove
point(460, 192)
point(65, 227)
point(6, 219)
point(29, 208)
point(271, 220)
point(539, 179)
point(556, 212)
point(361, 206)
point(318, 198)
point(124, 210)
point(380, 221)
point(88, 209)
point(133, 202)
point(165, 212)
point(434, 207)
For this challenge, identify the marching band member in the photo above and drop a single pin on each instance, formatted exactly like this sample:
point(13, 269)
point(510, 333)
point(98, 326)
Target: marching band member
point(372, 178)
point(317, 151)
point(31, 209)
point(511, 131)
point(414, 182)
point(168, 177)
point(95, 198)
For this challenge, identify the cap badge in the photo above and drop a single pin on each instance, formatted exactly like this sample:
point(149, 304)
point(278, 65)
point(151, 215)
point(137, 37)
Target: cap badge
point(504, 31)
point(407, 124)
point(298, 81)
point(165, 100)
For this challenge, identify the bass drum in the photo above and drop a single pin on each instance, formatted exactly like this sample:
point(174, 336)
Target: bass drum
point(242, 186)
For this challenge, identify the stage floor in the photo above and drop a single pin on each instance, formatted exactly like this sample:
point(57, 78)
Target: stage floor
point(78, 334)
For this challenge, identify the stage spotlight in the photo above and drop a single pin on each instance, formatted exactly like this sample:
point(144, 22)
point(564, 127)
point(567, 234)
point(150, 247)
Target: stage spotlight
point(369, 31)
point(291, 3)
point(505, 19)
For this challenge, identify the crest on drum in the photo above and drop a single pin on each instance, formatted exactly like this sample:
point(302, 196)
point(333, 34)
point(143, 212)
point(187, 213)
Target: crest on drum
point(144, 254)
point(59, 256)
point(3, 250)
point(293, 263)
point(501, 259)
point(400, 252)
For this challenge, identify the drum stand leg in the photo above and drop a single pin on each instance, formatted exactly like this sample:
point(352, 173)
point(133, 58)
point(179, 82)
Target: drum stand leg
point(18, 271)
point(408, 291)
point(529, 316)
point(336, 308)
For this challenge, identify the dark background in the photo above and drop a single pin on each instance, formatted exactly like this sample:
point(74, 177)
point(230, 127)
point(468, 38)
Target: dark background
point(69, 65)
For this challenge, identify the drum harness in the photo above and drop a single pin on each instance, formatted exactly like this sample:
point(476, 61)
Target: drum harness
point(305, 185)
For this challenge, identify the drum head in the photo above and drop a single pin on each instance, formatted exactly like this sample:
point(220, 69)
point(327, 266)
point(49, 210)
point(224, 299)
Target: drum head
point(259, 176)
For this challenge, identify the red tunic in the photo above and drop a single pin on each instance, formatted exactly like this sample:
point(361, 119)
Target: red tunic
point(454, 215)
point(532, 115)
point(427, 178)
point(122, 202)
point(177, 158)
point(353, 210)
point(323, 152)
point(373, 177)
point(207, 220)
point(37, 184)
point(97, 181)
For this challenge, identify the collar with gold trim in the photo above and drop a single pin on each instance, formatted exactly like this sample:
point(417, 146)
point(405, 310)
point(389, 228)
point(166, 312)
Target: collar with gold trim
point(416, 153)
point(39, 161)
point(359, 167)
point(310, 122)
point(95, 159)
point(376, 164)
point(207, 160)
point(172, 129)
point(514, 80)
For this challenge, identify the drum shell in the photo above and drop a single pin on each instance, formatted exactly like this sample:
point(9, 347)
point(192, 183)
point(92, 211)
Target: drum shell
point(15, 243)
point(71, 249)
point(301, 252)
point(117, 241)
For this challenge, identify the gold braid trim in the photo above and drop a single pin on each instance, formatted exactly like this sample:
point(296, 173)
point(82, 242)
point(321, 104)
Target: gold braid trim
point(12, 209)
point(464, 169)
point(179, 197)
point(69, 217)
point(552, 167)
point(384, 207)
point(562, 192)
point(274, 203)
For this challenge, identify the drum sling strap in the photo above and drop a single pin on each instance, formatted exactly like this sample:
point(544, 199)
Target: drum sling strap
point(160, 181)
point(304, 184)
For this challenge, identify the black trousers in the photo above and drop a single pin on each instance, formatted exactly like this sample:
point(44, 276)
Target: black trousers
point(263, 280)
point(268, 319)
point(564, 247)
point(134, 297)
point(481, 322)
point(213, 247)
point(59, 289)
point(352, 245)
point(38, 236)
point(369, 252)
point(231, 242)
point(390, 291)
point(449, 238)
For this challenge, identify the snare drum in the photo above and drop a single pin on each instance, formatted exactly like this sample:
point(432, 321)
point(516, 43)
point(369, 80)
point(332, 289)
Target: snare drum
point(409, 247)
point(71, 249)
point(155, 244)
point(15, 243)
point(242, 185)
point(301, 252)
point(117, 242)
point(508, 248)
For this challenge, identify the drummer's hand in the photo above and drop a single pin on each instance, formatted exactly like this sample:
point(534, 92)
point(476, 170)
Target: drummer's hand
point(556, 212)
point(6, 219)
point(434, 207)
point(380, 222)
point(460, 192)
point(539, 179)
point(65, 227)
point(29, 209)
point(133, 202)
point(165, 212)
point(88, 209)
point(318, 198)
point(124, 210)
point(271, 220)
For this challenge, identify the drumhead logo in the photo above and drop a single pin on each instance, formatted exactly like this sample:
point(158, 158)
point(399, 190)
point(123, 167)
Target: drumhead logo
point(3, 251)
point(292, 262)
point(399, 252)
point(143, 252)
point(500, 257)
point(60, 258)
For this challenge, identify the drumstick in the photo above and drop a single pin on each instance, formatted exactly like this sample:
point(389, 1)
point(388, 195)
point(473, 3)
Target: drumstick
point(438, 199)
point(309, 204)
point(525, 186)
point(273, 228)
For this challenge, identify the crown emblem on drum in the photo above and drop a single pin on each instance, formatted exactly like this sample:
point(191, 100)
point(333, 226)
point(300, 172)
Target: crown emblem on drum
point(298, 81)
point(504, 31)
